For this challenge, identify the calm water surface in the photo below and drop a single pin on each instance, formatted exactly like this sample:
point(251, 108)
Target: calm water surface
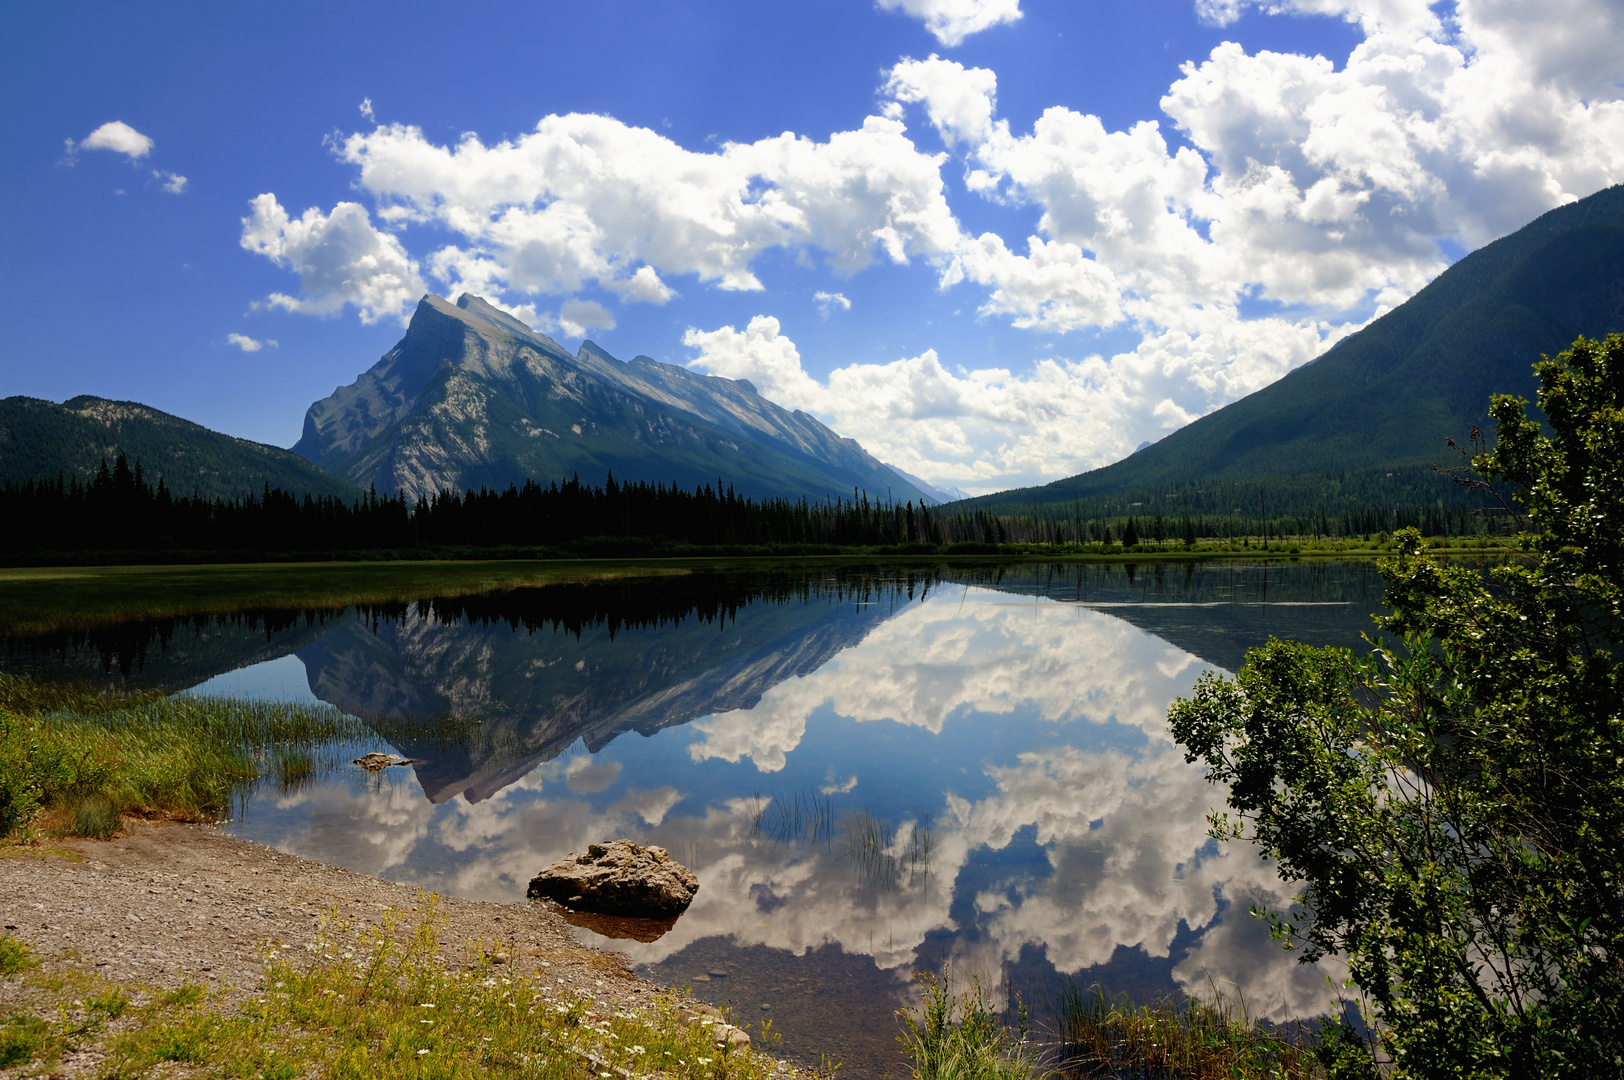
point(871, 773)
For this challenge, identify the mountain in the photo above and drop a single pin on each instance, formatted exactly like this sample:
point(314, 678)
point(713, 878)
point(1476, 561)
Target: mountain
point(41, 440)
point(1386, 398)
point(471, 397)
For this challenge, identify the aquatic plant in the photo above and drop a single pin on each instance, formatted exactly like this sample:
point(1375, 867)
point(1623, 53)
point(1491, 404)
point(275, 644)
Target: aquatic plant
point(1096, 1035)
point(78, 759)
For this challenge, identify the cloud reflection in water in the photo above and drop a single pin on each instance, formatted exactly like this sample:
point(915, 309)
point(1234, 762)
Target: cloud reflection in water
point(989, 726)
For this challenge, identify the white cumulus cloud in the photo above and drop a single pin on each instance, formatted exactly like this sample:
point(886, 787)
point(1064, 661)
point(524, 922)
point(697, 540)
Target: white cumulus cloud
point(340, 259)
point(589, 198)
point(989, 428)
point(248, 344)
point(951, 21)
point(830, 301)
point(577, 317)
point(172, 182)
point(117, 136)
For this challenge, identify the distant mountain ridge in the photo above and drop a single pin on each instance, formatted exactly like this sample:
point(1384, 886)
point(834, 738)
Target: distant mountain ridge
point(41, 440)
point(472, 397)
point(1387, 397)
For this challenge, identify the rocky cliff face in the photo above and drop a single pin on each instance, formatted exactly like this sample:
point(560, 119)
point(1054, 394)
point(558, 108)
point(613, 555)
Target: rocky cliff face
point(471, 396)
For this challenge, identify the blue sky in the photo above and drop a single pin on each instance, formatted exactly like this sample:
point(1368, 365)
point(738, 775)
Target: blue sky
point(997, 241)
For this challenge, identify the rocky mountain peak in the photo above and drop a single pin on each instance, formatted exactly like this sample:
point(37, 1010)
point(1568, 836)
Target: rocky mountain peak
point(471, 396)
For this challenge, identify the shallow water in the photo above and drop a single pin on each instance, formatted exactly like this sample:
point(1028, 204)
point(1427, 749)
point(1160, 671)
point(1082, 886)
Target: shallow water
point(871, 773)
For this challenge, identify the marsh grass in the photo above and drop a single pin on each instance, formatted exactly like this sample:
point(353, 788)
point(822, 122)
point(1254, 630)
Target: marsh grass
point(75, 760)
point(802, 817)
point(961, 1036)
point(886, 858)
point(374, 1004)
point(1208, 1038)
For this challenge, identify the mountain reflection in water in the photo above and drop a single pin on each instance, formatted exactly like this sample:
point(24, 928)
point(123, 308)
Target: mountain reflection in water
point(870, 772)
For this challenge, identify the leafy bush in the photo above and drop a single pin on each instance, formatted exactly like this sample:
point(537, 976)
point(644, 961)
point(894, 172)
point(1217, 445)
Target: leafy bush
point(14, 956)
point(1455, 805)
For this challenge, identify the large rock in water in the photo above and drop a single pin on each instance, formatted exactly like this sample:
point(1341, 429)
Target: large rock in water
point(619, 878)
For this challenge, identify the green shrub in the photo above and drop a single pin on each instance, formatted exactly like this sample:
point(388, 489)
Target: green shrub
point(14, 955)
point(22, 1038)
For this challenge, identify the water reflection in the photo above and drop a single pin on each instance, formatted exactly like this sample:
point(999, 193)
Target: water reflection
point(870, 773)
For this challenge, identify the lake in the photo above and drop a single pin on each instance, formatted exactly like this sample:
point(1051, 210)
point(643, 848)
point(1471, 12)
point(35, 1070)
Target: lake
point(872, 772)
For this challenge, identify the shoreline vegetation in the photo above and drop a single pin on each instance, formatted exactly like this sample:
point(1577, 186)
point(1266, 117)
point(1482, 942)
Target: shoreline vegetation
point(80, 595)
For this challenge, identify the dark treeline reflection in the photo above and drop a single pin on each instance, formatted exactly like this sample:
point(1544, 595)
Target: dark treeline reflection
point(637, 603)
point(177, 652)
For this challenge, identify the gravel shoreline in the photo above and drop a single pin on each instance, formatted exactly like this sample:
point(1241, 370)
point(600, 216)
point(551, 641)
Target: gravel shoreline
point(166, 903)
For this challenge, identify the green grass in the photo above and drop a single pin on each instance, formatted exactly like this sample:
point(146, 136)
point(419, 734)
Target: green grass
point(74, 761)
point(38, 599)
point(34, 599)
point(374, 1004)
point(960, 1036)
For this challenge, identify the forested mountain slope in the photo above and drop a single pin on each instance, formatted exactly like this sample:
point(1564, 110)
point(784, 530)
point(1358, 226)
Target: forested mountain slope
point(1385, 399)
point(41, 440)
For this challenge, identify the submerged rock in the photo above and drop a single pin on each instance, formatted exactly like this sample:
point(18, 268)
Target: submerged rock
point(619, 878)
point(629, 927)
point(375, 761)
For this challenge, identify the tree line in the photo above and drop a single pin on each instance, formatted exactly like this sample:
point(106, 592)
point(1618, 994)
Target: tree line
point(121, 510)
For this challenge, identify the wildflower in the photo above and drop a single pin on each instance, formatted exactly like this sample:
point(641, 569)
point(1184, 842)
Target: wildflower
point(425, 1004)
point(638, 1049)
point(420, 1052)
